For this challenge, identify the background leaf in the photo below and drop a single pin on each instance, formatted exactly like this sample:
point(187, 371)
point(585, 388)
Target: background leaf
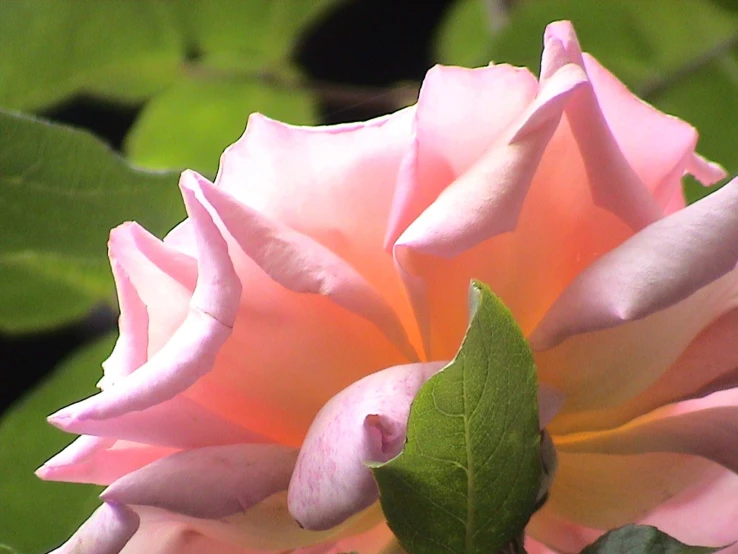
point(634, 539)
point(52, 49)
point(61, 191)
point(37, 515)
point(468, 477)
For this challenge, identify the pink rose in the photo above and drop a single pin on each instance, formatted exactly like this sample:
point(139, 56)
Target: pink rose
point(274, 340)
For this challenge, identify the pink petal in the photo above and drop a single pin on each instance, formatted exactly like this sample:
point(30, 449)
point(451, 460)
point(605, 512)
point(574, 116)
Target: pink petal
point(176, 423)
point(365, 422)
point(476, 104)
point(703, 514)
point(334, 184)
point(615, 186)
point(659, 147)
point(707, 365)
point(99, 460)
point(301, 264)
point(656, 268)
point(487, 199)
point(191, 351)
point(106, 532)
point(706, 427)
point(603, 491)
point(211, 482)
point(546, 533)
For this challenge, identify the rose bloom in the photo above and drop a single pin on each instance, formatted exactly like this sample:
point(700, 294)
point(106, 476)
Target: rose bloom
point(274, 340)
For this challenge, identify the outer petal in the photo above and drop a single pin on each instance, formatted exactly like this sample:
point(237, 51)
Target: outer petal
point(365, 422)
point(704, 513)
point(656, 268)
point(99, 460)
point(191, 351)
point(334, 184)
point(659, 147)
point(106, 532)
point(604, 491)
point(706, 427)
point(211, 482)
point(706, 366)
point(557, 534)
point(476, 104)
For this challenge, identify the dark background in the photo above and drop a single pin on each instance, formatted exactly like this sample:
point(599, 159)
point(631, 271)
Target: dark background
point(371, 43)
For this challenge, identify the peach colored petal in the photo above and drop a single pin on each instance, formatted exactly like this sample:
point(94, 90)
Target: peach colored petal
point(557, 535)
point(703, 514)
point(106, 532)
point(707, 365)
point(476, 104)
point(604, 491)
point(706, 427)
point(99, 460)
point(365, 422)
point(211, 482)
point(614, 184)
point(300, 264)
point(653, 270)
point(178, 423)
point(334, 184)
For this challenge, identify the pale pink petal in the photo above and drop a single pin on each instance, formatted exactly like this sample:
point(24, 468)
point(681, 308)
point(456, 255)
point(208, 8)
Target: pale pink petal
point(487, 198)
point(191, 351)
point(707, 365)
point(178, 423)
point(460, 113)
point(99, 460)
point(162, 276)
point(703, 514)
point(659, 147)
point(656, 268)
point(106, 532)
point(603, 491)
point(614, 184)
point(379, 540)
point(706, 427)
point(334, 184)
point(365, 422)
point(301, 264)
point(211, 482)
point(532, 546)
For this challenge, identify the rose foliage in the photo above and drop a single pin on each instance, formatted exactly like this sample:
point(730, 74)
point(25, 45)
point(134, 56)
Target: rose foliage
point(272, 343)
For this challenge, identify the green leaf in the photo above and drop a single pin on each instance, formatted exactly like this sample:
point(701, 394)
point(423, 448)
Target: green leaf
point(39, 515)
point(51, 49)
point(190, 124)
point(61, 191)
point(469, 475)
point(260, 31)
point(636, 539)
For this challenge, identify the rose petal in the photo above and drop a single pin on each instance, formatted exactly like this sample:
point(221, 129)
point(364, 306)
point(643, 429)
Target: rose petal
point(487, 199)
point(106, 532)
point(615, 186)
point(560, 535)
point(365, 422)
point(99, 460)
point(703, 514)
point(659, 147)
point(604, 491)
point(706, 366)
point(485, 102)
point(300, 264)
point(178, 423)
point(191, 351)
point(706, 427)
point(211, 482)
point(334, 184)
point(655, 269)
